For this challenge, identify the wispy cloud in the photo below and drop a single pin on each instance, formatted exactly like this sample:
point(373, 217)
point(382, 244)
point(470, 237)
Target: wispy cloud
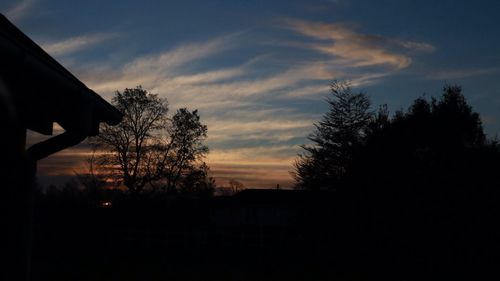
point(163, 69)
point(20, 10)
point(253, 130)
point(75, 44)
point(453, 74)
point(351, 48)
point(230, 99)
point(416, 46)
point(176, 73)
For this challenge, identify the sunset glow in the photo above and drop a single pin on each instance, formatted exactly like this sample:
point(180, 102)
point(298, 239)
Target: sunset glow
point(259, 71)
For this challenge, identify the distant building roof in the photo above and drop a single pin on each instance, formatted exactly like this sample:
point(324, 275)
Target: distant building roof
point(281, 196)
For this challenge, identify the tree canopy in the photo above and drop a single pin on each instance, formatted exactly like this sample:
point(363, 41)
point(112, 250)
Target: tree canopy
point(150, 149)
point(437, 140)
point(335, 138)
point(418, 187)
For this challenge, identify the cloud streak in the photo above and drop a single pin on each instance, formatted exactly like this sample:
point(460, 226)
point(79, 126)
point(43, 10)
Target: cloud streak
point(354, 49)
point(20, 10)
point(75, 44)
point(253, 129)
point(453, 74)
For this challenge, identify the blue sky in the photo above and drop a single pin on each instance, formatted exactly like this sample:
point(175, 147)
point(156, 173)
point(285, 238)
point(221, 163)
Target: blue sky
point(258, 71)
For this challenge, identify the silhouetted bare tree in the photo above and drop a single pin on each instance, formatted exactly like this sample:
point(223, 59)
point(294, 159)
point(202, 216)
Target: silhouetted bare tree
point(148, 148)
point(177, 153)
point(92, 180)
point(197, 181)
point(234, 186)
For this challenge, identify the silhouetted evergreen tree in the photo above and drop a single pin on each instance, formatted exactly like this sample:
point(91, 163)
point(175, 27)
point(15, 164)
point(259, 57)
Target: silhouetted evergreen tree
point(334, 140)
point(422, 186)
point(431, 141)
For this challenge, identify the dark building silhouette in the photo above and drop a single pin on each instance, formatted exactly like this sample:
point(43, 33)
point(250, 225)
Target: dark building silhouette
point(35, 92)
point(265, 207)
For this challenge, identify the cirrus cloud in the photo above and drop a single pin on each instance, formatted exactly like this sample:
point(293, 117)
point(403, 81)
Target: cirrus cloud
point(20, 10)
point(75, 44)
point(351, 48)
point(254, 132)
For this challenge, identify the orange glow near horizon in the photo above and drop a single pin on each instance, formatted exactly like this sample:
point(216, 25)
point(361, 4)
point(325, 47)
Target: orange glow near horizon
point(262, 171)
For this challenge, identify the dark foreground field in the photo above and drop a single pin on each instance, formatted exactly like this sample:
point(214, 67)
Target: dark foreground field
point(255, 235)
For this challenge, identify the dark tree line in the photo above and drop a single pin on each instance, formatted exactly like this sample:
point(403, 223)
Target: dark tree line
point(417, 190)
point(433, 141)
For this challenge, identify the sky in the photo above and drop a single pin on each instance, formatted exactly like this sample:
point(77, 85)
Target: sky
point(258, 71)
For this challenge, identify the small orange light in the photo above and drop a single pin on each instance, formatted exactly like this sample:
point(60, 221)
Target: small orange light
point(106, 204)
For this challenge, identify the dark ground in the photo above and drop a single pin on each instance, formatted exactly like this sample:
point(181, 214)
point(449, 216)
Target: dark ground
point(314, 237)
